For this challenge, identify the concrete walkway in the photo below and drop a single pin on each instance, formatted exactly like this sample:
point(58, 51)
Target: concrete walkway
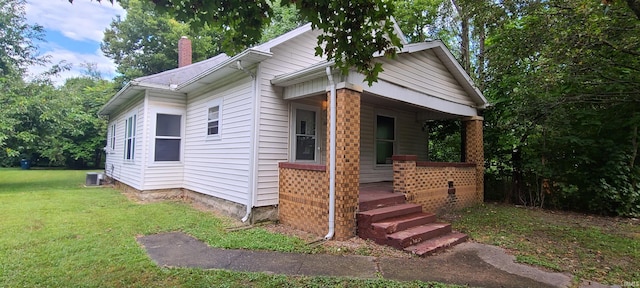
point(470, 264)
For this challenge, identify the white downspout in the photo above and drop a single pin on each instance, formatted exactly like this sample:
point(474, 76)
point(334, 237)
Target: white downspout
point(332, 156)
point(252, 144)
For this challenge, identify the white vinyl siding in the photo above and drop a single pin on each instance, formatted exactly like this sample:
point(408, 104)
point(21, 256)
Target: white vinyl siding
point(423, 71)
point(125, 171)
point(410, 139)
point(273, 139)
point(220, 168)
point(163, 174)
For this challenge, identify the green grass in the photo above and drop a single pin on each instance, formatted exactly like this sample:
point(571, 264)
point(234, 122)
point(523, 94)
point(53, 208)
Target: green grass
point(56, 233)
point(601, 249)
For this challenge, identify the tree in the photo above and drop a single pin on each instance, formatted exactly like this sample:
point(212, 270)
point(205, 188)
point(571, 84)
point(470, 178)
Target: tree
point(145, 42)
point(17, 48)
point(353, 31)
point(565, 105)
point(17, 51)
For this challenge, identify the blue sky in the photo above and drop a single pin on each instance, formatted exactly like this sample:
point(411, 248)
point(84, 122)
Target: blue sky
point(73, 33)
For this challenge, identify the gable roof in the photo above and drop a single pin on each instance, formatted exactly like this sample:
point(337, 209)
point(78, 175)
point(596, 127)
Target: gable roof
point(439, 48)
point(194, 76)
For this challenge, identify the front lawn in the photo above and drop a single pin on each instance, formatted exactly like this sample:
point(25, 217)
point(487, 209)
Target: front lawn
point(601, 249)
point(56, 233)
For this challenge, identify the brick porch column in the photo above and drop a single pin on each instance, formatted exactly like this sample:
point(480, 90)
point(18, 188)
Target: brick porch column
point(347, 157)
point(404, 169)
point(474, 151)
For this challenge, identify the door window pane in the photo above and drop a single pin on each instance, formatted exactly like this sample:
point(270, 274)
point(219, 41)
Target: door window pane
point(305, 130)
point(385, 139)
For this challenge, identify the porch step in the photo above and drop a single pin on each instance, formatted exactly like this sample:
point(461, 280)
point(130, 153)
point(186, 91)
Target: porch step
point(437, 244)
point(379, 214)
point(375, 200)
point(417, 234)
point(392, 225)
point(387, 219)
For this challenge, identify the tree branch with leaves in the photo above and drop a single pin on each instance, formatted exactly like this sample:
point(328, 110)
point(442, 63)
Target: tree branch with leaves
point(353, 31)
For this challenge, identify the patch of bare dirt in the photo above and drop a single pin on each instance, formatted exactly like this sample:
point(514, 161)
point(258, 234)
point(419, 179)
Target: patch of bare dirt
point(352, 246)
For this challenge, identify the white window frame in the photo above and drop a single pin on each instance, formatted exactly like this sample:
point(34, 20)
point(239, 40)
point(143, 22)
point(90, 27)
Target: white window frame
point(292, 144)
point(211, 104)
point(130, 134)
point(112, 137)
point(154, 137)
point(375, 137)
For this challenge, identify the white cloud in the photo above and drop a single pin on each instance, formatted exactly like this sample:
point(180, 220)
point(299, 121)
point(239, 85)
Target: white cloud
point(57, 54)
point(83, 20)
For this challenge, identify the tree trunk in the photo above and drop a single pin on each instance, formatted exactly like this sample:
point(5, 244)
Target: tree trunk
point(635, 7)
point(464, 36)
point(482, 34)
point(516, 181)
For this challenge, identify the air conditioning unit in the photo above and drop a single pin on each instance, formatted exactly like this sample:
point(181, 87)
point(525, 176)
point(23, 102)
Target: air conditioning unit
point(93, 179)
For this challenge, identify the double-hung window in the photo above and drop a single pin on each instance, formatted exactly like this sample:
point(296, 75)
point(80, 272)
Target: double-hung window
point(130, 137)
point(168, 137)
point(214, 117)
point(112, 139)
point(385, 139)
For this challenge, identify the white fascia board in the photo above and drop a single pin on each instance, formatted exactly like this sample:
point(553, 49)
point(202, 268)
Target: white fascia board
point(266, 47)
point(301, 75)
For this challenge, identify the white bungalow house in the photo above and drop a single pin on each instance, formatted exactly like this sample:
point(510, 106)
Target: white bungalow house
point(250, 134)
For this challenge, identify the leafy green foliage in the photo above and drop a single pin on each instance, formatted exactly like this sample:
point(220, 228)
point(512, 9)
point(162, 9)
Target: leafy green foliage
point(145, 42)
point(353, 31)
point(565, 105)
point(17, 47)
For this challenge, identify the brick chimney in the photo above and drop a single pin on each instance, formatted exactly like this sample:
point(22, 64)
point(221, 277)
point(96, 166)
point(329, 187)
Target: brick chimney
point(184, 51)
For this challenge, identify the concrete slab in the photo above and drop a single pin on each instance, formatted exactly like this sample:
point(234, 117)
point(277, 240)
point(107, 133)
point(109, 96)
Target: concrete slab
point(470, 264)
point(339, 266)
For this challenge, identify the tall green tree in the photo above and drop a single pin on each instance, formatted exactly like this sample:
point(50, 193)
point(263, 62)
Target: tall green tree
point(17, 39)
point(145, 42)
point(566, 104)
point(353, 31)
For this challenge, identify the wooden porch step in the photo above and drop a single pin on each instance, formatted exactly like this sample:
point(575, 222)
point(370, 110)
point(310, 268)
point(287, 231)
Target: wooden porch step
point(417, 234)
point(437, 244)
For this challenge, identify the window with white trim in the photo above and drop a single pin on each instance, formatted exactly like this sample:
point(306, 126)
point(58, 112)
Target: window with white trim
point(130, 137)
point(385, 139)
point(112, 139)
point(168, 137)
point(214, 123)
point(305, 130)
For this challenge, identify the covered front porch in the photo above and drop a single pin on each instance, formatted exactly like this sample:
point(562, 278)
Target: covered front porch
point(363, 171)
point(379, 137)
